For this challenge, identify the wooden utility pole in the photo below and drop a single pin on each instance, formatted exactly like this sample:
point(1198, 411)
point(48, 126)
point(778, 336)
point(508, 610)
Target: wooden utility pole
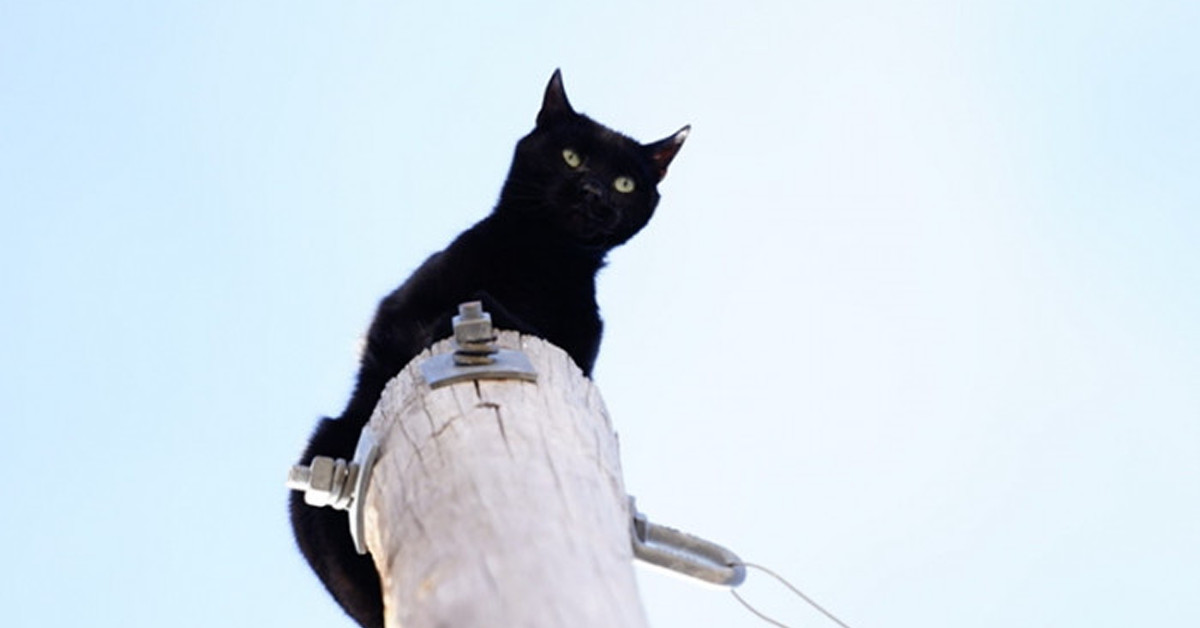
point(500, 502)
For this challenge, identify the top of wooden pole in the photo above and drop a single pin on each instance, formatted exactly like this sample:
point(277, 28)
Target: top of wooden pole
point(500, 502)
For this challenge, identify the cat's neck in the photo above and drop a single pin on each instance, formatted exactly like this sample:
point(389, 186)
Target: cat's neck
point(523, 238)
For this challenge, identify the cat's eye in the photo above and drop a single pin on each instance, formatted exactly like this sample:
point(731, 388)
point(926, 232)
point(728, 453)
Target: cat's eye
point(623, 185)
point(572, 158)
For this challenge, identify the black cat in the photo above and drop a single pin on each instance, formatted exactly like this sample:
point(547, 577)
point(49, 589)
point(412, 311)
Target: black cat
point(576, 190)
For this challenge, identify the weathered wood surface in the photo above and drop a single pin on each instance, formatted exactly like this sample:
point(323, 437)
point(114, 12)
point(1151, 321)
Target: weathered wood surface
point(500, 503)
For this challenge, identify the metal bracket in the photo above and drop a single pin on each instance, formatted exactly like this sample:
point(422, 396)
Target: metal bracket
point(476, 355)
point(334, 483)
point(684, 553)
point(441, 370)
point(366, 453)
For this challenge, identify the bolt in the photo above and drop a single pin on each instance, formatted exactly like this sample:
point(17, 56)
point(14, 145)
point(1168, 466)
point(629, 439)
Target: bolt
point(473, 335)
point(299, 477)
point(471, 310)
point(325, 482)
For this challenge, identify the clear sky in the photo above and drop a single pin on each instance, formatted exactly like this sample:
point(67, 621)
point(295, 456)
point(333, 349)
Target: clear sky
point(916, 324)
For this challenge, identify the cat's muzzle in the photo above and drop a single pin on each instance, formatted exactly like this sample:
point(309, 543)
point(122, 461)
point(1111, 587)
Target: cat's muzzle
point(590, 220)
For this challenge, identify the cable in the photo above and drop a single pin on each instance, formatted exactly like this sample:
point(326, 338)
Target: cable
point(789, 585)
point(756, 611)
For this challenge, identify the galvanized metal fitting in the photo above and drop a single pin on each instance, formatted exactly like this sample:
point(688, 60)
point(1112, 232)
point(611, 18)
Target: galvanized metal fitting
point(683, 553)
point(475, 355)
point(335, 483)
point(325, 482)
point(474, 338)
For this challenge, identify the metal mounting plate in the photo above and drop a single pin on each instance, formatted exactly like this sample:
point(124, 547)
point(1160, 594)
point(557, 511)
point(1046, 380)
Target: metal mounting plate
point(366, 453)
point(440, 370)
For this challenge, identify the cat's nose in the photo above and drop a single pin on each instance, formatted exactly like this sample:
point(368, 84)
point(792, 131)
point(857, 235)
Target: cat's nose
point(592, 189)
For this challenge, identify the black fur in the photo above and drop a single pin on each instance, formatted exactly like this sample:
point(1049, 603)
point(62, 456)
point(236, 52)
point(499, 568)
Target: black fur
point(533, 262)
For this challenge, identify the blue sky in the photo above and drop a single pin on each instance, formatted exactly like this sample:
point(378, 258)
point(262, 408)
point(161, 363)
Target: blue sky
point(915, 324)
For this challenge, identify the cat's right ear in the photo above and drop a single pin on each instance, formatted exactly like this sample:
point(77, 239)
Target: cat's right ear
point(664, 150)
point(554, 103)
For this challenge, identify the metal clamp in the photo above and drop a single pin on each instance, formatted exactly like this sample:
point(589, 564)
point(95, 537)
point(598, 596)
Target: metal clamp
point(476, 355)
point(334, 483)
point(684, 553)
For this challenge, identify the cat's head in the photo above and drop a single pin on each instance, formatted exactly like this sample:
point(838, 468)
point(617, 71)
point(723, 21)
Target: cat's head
point(586, 181)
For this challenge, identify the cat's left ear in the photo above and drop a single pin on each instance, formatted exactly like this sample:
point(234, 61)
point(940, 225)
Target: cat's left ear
point(554, 103)
point(664, 150)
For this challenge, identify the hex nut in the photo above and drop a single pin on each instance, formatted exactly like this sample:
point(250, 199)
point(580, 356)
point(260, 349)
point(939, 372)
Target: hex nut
point(322, 481)
point(470, 331)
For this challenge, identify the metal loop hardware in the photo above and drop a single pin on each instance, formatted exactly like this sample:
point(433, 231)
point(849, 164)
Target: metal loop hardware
point(684, 553)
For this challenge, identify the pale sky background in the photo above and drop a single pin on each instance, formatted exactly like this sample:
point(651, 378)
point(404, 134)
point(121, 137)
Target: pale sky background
point(917, 323)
